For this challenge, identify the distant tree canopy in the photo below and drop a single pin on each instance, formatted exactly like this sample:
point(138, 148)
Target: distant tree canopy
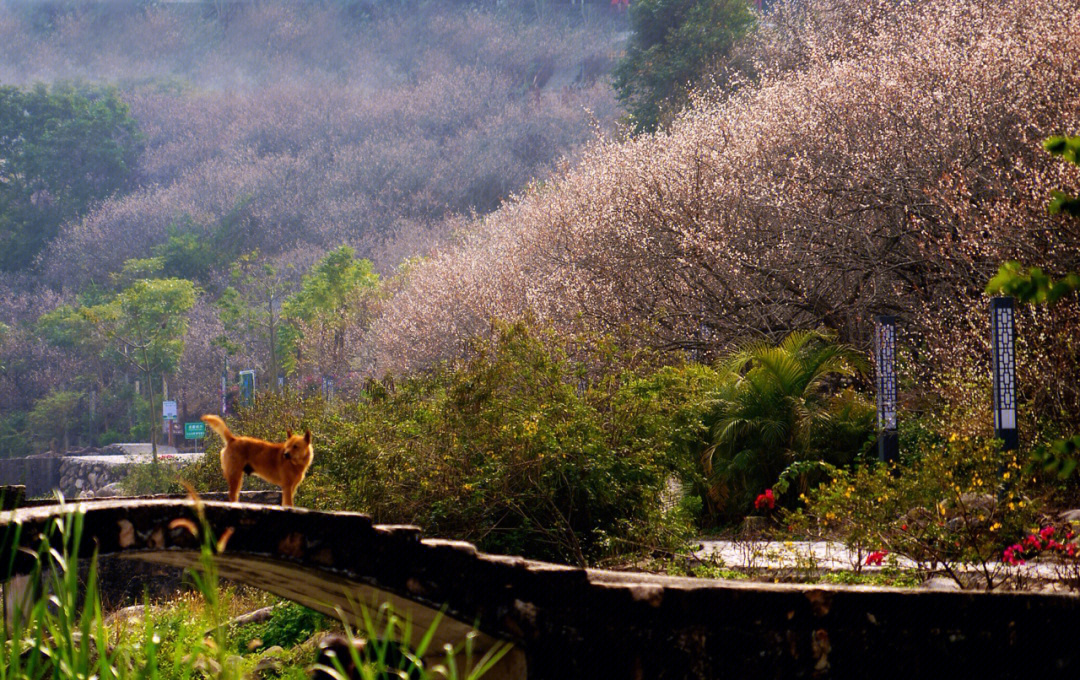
point(674, 44)
point(61, 149)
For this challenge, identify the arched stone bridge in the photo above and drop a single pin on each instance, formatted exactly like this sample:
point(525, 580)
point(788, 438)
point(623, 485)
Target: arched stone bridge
point(569, 623)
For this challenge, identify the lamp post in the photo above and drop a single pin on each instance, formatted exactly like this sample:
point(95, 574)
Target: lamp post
point(885, 357)
point(1003, 337)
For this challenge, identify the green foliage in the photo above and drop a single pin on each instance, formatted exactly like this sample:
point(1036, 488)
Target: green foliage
point(338, 295)
point(250, 308)
point(1058, 458)
point(289, 625)
point(1069, 149)
point(51, 419)
point(63, 149)
point(153, 478)
point(675, 43)
point(774, 419)
point(958, 502)
point(1031, 285)
point(141, 326)
point(533, 445)
point(14, 434)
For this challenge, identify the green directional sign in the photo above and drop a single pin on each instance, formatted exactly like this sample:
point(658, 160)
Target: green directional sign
point(194, 430)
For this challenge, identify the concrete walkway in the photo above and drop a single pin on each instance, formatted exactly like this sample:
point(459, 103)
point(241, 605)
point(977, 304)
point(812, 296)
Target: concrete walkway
point(823, 556)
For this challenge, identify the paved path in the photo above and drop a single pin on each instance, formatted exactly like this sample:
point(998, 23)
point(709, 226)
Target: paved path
point(142, 458)
point(818, 555)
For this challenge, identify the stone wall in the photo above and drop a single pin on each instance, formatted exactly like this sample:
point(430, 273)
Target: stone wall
point(78, 475)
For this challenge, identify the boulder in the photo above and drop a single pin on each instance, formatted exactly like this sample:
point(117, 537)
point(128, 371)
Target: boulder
point(110, 490)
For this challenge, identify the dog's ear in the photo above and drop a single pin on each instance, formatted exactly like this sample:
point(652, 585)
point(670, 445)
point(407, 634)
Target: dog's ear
point(288, 433)
point(307, 436)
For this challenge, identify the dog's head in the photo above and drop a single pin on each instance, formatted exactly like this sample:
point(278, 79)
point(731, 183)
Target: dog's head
point(298, 446)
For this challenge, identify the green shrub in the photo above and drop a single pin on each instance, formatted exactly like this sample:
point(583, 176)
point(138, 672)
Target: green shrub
point(152, 478)
point(777, 416)
point(959, 502)
point(537, 445)
point(289, 625)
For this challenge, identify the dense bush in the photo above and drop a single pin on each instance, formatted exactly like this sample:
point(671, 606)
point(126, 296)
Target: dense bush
point(534, 445)
point(963, 500)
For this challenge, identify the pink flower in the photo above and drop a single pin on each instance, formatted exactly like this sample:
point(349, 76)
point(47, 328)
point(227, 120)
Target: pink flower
point(1046, 532)
point(877, 557)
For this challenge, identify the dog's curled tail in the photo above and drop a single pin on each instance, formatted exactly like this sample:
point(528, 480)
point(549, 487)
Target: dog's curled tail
point(218, 425)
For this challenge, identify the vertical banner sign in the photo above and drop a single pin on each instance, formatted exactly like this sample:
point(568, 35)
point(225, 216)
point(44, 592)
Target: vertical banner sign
point(1003, 338)
point(247, 387)
point(885, 357)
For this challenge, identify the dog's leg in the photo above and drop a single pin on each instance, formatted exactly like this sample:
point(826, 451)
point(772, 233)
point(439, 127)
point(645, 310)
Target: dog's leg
point(235, 478)
point(287, 495)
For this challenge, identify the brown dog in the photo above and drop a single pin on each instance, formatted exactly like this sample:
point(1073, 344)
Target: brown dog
point(284, 464)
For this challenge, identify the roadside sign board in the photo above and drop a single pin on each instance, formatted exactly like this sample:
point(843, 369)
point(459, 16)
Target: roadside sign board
point(194, 430)
point(168, 410)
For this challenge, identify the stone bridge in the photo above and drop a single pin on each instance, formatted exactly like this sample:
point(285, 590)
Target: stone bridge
point(566, 622)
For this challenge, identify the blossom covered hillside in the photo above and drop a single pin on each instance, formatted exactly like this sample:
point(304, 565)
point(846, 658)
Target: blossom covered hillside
point(889, 175)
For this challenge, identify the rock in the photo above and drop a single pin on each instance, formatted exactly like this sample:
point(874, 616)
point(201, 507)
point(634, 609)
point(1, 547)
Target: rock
point(268, 666)
point(109, 490)
point(1070, 515)
point(917, 517)
point(979, 503)
point(93, 478)
point(86, 495)
point(79, 484)
point(940, 583)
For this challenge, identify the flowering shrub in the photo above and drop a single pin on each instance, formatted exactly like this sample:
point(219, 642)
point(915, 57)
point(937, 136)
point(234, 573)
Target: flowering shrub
point(954, 505)
point(1057, 546)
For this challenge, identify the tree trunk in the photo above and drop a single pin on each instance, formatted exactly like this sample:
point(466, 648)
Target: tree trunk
point(273, 347)
point(153, 425)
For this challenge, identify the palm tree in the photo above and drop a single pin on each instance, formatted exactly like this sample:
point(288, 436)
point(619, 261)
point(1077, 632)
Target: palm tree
point(772, 399)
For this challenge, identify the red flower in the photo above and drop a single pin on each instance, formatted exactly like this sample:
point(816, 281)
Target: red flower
point(1032, 541)
point(877, 557)
point(1012, 555)
point(903, 527)
point(765, 500)
point(1046, 532)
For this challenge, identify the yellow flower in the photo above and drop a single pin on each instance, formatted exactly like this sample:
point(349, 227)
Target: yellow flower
point(1006, 475)
point(995, 526)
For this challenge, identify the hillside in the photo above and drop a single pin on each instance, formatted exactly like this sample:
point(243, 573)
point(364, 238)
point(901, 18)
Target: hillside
point(279, 131)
